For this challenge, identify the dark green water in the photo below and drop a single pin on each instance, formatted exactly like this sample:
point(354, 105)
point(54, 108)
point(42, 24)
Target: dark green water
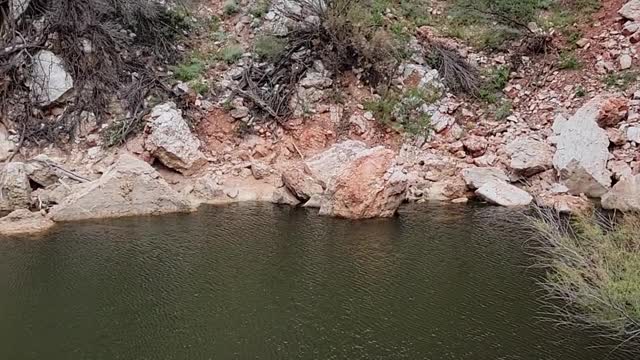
point(264, 282)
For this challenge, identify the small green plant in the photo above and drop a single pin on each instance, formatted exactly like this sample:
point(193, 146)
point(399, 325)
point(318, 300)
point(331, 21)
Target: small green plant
point(495, 81)
point(260, 8)
point(213, 24)
point(580, 91)
point(231, 53)
point(190, 70)
point(404, 112)
point(504, 110)
point(569, 61)
point(230, 7)
point(268, 47)
point(199, 87)
point(621, 80)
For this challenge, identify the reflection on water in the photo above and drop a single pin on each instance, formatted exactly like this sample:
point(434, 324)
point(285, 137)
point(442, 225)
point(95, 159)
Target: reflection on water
point(266, 282)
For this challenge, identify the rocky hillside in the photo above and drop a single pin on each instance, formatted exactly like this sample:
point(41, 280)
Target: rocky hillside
point(352, 107)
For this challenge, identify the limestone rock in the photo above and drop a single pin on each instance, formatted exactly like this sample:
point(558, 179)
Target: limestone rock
point(529, 157)
point(260, 170)
point(129, 187)
point(631, 10)
point(371, 186)
point(326, 165)
point(624, 196)
point(23, 221)
point(477, 177)
point(50, 80)
point(170, 140)
point(15, 191)
point(504, 194)
point(583, 151)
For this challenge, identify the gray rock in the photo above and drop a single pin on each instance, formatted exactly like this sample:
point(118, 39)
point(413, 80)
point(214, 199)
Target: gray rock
point(529, 157)
point(15, 191)
point(6, 145)
point(631, 10)
point(478, 176)
point(583, 151)
point(49, 80)
point(625, 61)
point(130, 187)
point(170, 140)
point(624, 196)
point(501, 193)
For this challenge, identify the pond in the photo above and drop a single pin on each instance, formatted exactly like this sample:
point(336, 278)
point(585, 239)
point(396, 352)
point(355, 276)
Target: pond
point(258, 281)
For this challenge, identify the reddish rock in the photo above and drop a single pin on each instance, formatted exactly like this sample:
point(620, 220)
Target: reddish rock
point(612, 111)
point(475, 146)
point(371, 186)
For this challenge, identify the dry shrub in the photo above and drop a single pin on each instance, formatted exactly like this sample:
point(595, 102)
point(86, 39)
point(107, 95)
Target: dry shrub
point(337, 32)
point(457, 74)
point(111, 48)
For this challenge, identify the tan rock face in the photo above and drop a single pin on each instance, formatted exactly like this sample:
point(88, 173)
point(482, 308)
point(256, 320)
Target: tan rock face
point(130, 187)
point(612, 111)
point(170, 140)
point(371, 186)
point(23, 221)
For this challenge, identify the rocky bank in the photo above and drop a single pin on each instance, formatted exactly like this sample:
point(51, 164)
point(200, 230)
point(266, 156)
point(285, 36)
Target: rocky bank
point(554, 149)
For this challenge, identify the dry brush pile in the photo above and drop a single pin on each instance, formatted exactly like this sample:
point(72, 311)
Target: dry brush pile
point(109, 49)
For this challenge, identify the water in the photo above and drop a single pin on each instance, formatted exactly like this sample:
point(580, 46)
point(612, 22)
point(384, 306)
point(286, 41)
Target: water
point(265, 282)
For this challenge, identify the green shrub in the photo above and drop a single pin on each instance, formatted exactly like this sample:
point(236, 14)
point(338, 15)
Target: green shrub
point(230, 7)
point(268, 47)
point(404, 112)
point(621, 80)
point(593, 267)
point(260, 8)
point(580, 91)
point(190, 70)
point(199, 87)
point(495, 81)
point(231, 53)
point(504, 110)
point(569, 61)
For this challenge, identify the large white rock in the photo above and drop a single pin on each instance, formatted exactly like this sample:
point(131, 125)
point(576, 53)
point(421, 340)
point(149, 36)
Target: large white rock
point(49, 78)
point(476, 177)
point(170, 140)
point(326, 165)
point(624, 196)
point(15, 191)
point(504, 194)
point(583, 151)
point(129, 187)
point(631, 10)
point(370, 186)
point(6, 145)
point(529, 156)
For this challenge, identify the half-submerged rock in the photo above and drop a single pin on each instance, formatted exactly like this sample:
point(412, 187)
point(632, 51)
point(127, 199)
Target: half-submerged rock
point(23, 221)
point(171, 142)
point(129, 187)
point(504, 194)
point(583, 151)
point(370, 186)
